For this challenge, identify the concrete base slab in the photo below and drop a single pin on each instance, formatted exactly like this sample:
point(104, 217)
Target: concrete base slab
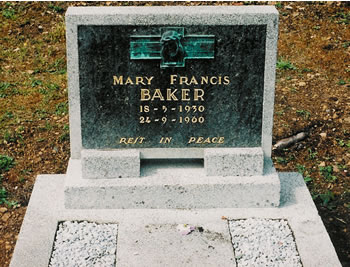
point(176, 184)
point(146, 237)
point(163, 245)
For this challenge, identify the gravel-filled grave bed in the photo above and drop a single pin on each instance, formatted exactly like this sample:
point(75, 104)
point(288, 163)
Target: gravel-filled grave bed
point(84, 244)
point(264, 242)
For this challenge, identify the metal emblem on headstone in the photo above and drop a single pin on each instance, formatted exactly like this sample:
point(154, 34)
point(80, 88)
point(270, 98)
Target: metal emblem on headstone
point(172, 47)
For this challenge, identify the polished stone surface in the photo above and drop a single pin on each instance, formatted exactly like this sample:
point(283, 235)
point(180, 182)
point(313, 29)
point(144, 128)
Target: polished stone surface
point(182, 16)
point(111, 112)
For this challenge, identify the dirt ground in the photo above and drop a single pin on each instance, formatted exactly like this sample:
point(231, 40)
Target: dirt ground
point(312, 96)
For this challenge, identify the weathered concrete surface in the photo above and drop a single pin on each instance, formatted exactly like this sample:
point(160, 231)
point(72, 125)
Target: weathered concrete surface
point(145, 235)
point(172, 185)
point(98, 164)
point(234, 162)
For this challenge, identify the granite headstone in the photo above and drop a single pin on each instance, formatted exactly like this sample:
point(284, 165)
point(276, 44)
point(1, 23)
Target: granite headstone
point(137, 103)
point(169, 87)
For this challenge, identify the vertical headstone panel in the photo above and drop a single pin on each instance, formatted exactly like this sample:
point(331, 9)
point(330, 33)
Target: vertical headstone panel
point(171, 78)
point(122, 98)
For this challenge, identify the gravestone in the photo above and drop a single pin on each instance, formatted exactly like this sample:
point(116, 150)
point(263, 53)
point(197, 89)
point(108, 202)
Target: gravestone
point(183, 103)
point(171, 114)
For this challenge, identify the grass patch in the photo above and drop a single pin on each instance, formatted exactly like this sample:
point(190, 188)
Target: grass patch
point(342, 143)
point(304, 113)
point(57, 9)
point(7, 89)
point(9, 12)
point(307, 179)
point(58, 66)
point(312, 154)
point(48, 126)
point(341, 82)
point(3, 195)
point(57, 34)
point(346, 44)
point(3, 198)
point(327, 173)
point(61, 108)
point(13, 136)
point(36, 83)
point(6, 163)
point(327, 198)
point(306, 70)
point(342, 18)
point(7, 116)
point(282, 161)
point(278, 5)
point(285, 65)
point(41, 113)
point(52, 87)
point(301, 168)
point(43, 91)
point(65, 136)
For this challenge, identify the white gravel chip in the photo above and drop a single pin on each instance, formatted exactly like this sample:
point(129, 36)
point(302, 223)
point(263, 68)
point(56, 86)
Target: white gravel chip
point(263, 242)
point(85, 244)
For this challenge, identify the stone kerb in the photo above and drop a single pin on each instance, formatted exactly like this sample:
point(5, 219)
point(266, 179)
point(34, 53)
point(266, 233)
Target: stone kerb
point(241, 153)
